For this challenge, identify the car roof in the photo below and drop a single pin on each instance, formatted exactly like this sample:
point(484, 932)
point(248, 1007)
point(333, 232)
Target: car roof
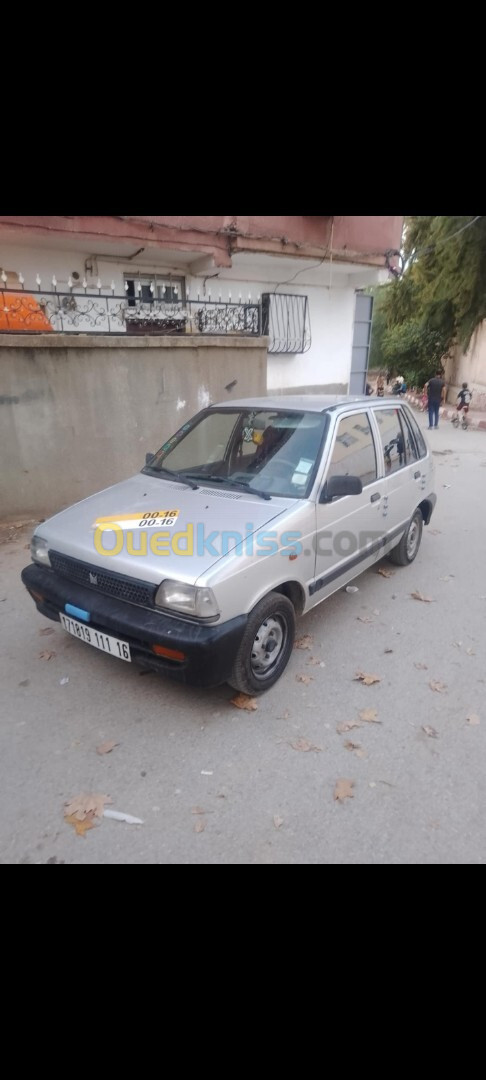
point(307, 402)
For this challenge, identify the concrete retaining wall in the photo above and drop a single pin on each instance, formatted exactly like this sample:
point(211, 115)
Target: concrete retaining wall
point(79, 414)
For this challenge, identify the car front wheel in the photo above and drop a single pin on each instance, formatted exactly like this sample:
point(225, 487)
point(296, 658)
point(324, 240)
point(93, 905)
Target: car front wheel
point(266, 646)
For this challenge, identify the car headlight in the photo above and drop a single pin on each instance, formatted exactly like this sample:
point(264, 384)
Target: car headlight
point(190, 600)
point(39, 551)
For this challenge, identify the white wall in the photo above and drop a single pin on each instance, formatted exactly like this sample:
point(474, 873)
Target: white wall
point(328, 361)
point(331, 310)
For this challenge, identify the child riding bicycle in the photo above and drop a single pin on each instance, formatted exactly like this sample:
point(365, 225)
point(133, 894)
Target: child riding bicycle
point(464, 397)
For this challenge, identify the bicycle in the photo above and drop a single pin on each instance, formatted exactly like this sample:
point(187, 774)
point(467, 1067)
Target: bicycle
point(456, 420)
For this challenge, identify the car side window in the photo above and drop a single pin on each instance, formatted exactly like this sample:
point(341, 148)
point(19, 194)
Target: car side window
point(393, 439)
point(411, 450)
point(419, 439)
point(354, 450)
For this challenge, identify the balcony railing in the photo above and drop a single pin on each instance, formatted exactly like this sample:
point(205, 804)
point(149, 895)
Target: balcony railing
point(102, 311)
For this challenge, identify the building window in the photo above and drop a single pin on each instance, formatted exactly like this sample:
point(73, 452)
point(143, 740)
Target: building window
point(346, 439)
point(286, 321)
point(168, 290)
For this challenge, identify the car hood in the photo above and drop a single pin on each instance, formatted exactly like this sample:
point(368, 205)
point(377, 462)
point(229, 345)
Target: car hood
point(203, 516)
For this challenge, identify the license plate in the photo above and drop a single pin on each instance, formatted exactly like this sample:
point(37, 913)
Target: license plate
point(107, 644)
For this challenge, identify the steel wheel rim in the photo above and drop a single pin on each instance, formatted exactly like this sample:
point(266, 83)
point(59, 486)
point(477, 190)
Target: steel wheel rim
point(413, 538)
point(268, 646)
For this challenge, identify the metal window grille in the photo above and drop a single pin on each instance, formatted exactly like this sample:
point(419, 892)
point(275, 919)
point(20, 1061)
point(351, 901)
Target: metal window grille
point(286, 321)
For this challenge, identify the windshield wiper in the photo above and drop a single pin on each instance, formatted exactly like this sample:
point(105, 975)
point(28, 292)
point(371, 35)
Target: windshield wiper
point(173, 476)
point(235, 483)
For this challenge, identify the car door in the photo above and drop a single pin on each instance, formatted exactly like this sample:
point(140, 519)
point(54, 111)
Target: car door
point(403, 472)
point(349, 530)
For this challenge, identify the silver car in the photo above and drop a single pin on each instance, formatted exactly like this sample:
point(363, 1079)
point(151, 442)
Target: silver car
point(251, 514)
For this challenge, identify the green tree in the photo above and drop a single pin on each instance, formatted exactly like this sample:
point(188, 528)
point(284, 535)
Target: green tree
point(439, 300)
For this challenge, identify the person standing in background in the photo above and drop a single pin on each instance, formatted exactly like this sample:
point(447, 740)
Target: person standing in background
point(435, 391)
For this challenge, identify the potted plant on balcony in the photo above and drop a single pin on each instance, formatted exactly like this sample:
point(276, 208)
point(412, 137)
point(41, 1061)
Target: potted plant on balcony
point(150, 320)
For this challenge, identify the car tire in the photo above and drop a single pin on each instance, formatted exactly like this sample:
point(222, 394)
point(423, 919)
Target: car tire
point(406, 551)
point(266, 645)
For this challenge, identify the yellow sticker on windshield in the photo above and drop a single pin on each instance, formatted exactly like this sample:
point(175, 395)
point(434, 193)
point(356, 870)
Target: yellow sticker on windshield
point(148, 519)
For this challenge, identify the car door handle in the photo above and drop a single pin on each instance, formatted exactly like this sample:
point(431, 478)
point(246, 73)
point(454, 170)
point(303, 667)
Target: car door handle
point(374, 497)
point(416, 475)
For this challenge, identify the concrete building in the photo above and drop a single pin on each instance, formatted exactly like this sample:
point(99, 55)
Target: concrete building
point(304, 273)
point(115, 330)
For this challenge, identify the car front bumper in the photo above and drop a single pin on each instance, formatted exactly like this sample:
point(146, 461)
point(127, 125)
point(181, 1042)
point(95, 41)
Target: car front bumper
point(210, 651)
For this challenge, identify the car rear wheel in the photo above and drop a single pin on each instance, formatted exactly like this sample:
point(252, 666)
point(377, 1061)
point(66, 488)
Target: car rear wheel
point(266, 646)
point(405, 552)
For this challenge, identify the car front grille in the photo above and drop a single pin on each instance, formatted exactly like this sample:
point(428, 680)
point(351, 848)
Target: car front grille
point(103, 581)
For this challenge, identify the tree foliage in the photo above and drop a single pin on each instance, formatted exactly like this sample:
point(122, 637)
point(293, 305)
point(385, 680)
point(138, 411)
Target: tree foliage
point(439, 301)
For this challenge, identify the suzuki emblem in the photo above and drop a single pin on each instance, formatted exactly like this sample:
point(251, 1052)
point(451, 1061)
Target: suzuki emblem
point(93, 580)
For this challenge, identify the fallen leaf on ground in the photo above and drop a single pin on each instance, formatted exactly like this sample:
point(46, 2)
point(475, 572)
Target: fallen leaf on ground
point(384, 572)
point(348, 725)
point(47, 630)
point(81, 827)
point(244, 701)
point(200, 826)
point(348, 745)
point(106, 747)
point(285, 715)
point(430, 731)
point(304, 642)
point(369, 716)
point(364, 618)
point(420, 596)
point(375, 611)
point(368, 680)
point(25, 682)
point(344, 790)
point(315, 660)
point(81, 806)
point(420, 667)
point(438, 686)
point(277, 821)
point(470, 652)
point(457, 644)
point(46, 655)
point(198, 810)
point(304, 678)
point(388, 650)
point(473, 719)
point(304, 745)
point(448, 577)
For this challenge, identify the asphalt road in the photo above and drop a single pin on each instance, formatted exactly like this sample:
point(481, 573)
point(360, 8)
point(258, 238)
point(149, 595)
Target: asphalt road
point(417, 797)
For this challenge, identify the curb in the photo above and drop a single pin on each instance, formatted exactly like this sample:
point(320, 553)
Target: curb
point(447, 412)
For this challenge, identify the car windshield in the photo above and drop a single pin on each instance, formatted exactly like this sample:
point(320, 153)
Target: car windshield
point(269, 451)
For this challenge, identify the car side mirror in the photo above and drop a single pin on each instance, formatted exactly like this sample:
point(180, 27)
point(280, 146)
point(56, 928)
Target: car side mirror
point(340, 485)
point(149, 458)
